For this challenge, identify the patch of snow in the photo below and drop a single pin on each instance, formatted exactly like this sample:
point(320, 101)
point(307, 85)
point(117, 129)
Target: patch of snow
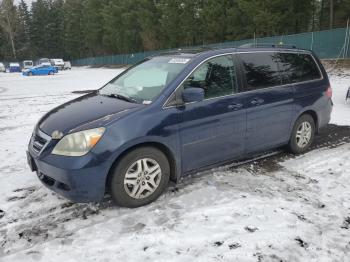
point(298, 212)
point(340, 82)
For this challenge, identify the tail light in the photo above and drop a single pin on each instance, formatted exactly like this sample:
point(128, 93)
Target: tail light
point(329, 92)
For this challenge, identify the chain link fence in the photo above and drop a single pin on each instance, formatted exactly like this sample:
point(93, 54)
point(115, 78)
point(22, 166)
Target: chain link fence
point(328, 44)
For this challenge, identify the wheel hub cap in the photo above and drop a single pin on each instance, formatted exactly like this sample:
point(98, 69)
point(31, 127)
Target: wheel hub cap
point(142, 178)
point(304, 133)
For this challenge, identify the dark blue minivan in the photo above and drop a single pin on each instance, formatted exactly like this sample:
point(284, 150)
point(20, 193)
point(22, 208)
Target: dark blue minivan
point(178, 113)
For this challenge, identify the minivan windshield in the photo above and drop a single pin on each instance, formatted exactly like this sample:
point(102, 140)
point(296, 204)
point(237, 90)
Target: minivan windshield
point(145, 81)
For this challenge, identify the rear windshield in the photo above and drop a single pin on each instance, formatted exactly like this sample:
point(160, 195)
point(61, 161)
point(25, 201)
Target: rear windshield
point(268, 69)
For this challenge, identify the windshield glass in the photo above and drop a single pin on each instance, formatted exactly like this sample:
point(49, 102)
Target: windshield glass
point(145, 82)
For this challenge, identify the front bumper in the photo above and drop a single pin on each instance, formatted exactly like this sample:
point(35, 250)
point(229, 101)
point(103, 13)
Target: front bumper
point(79, 179)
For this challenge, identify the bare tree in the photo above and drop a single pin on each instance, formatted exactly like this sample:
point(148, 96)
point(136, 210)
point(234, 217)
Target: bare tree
point(7, 21)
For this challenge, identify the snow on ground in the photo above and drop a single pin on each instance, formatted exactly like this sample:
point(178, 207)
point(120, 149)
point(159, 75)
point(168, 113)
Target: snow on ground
point(340, 82)
point(281, 208)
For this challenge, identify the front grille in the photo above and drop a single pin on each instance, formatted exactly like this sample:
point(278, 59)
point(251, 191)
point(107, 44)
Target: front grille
point(38, 143)
point(39, 140)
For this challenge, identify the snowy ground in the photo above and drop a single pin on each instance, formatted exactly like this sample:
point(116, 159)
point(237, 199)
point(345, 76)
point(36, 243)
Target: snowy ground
point(277, 208)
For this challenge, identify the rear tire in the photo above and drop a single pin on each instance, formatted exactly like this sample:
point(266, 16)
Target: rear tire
point(140, 177)
point(302, 135)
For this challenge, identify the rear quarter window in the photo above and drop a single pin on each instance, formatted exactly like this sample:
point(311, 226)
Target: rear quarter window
point(298, 68)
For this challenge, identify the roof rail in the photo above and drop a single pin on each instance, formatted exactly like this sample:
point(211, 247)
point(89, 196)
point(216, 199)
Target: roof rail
point(263, 45)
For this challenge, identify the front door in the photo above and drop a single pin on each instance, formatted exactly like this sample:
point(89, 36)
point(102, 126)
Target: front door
point(213, 130)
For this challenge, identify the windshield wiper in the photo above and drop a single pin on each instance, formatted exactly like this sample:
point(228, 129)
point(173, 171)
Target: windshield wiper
point(121, 97)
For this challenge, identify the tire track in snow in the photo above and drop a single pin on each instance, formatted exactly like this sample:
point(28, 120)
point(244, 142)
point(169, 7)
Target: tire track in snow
point(3, 89)
point(31, 228)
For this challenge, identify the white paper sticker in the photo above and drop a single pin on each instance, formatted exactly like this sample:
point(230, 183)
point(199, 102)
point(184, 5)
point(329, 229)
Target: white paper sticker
point(146, 102)
point(179, 60)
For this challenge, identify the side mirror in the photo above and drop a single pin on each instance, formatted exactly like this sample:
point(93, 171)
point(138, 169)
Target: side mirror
point(193, 94)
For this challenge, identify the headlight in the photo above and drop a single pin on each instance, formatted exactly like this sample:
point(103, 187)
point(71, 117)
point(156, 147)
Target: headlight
point(79, 143)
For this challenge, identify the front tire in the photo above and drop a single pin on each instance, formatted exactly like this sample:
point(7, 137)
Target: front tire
point(302, 135)
point(140, 177)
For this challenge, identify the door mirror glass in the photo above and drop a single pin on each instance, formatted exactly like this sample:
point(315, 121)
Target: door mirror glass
point(192, 94)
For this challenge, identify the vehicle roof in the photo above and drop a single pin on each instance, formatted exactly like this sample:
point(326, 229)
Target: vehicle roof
point(209, 51)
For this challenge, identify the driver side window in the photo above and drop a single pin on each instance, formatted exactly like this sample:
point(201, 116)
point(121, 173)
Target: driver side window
point(216, 76)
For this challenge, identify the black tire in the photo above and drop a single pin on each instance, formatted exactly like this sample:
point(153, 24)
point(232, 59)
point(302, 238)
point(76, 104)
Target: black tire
point(116, 181)
point(293, 145)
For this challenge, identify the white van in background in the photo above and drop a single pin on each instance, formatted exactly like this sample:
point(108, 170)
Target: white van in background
point(43, 61)
point(57, 62)
point(27, 64)
point(67, 65)
point(2, 68)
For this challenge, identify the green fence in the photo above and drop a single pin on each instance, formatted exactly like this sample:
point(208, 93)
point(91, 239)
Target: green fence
point(329, 44)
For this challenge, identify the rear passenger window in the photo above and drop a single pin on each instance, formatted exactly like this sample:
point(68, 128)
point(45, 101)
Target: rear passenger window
point(216, 76)
point(261, 70)
point(298, 68)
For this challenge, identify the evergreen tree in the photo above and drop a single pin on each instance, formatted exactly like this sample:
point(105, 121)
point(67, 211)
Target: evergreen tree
point(39, 29)
point(8, 22)
point(148, 15)
point(79, 28)
point(22, 38)
point(74, 46)
point(55, 29)
point(92, 26)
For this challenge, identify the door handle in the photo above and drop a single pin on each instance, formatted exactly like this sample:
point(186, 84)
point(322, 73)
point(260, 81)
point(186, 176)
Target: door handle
point(235, 106)
point(257, 101)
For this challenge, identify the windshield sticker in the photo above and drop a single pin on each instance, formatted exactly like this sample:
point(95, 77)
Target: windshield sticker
point(146, 102)
point(179, 61)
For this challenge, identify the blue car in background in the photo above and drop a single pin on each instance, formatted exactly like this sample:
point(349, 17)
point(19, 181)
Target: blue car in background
point(40, 70)
point(14, 68)
point(178, 113)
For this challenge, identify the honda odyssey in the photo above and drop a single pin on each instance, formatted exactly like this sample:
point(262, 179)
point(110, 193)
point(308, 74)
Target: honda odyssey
point(178, 113)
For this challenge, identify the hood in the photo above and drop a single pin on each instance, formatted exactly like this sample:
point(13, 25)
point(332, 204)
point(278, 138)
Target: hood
point(89, 111)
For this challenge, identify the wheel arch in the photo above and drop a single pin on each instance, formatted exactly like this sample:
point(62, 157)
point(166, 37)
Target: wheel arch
point(160, 146)
point(314, 116)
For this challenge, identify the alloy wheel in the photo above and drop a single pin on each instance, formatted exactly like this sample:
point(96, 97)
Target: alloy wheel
point(304, 134)
point(142, 178)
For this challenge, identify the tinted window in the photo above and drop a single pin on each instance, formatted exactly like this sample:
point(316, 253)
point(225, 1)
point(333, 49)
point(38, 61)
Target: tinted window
point(261, 70)
point(216, 76)
point(298, 68)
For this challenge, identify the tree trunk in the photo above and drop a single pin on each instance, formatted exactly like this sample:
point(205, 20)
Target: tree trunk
point(10, 31)
point(321, 15)
point(331, 12)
